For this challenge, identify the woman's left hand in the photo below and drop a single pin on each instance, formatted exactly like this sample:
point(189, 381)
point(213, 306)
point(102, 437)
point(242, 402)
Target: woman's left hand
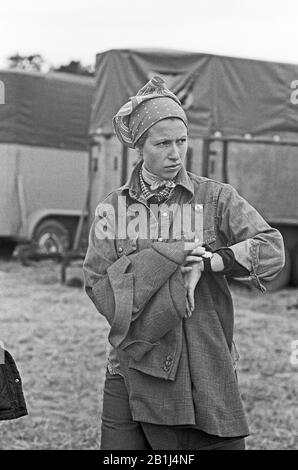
point(195, 252)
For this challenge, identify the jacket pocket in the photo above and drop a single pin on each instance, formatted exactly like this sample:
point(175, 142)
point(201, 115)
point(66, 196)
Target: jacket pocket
point(209, 236)
point(209, 221)
point(163, 359)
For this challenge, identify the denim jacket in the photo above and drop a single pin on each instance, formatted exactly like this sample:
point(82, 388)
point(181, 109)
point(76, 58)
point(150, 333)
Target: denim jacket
point(178, 371)
point(12, 402)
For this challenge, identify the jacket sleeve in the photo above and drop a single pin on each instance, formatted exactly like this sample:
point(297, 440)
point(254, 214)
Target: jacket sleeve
point(121, 287)
point(257, 247)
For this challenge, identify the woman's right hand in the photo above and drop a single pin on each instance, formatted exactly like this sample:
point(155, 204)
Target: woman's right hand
point(192, 271)
point(191, 279)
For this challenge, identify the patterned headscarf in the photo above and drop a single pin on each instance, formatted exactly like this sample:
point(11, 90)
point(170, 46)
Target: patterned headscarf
point(152, 103)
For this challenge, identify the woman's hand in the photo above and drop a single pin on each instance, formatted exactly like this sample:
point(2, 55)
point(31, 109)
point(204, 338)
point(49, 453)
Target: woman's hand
point(192, 271)
point(191, 276)
point(195, 252)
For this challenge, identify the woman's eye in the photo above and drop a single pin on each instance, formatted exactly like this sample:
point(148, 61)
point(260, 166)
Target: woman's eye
point(166, 143)
point(163, 144)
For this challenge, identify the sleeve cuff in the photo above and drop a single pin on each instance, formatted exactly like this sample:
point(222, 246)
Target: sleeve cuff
point(174, 251)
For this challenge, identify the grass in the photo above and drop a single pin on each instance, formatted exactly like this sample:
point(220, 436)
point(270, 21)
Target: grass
point(59, 343)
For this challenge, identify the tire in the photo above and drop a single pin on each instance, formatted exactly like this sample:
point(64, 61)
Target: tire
point(51, 237)
point(294, 261)
point(6, 249)
point(283, 278)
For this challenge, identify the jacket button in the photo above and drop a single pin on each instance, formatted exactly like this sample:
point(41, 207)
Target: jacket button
point(120, 249)
point(17, 381)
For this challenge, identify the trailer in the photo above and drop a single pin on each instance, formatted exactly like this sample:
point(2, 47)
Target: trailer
point(44, 158)
point(243, 128)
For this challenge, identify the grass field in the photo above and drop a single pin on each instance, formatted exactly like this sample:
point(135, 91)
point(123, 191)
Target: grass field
point(59, 341)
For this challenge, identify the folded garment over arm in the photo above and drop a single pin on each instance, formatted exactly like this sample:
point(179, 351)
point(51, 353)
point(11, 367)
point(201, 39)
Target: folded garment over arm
point(121, 288)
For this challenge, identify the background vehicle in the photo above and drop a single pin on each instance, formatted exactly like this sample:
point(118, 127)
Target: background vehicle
point(44, 160)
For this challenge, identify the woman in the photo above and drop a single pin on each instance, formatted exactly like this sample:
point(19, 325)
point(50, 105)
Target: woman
point(159, 252)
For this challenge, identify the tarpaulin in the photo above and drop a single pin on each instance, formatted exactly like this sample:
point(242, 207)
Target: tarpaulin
point(51, 110)
point(220, 94)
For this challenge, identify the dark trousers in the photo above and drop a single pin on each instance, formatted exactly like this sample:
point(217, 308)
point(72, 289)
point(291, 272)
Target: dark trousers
point(120, 432)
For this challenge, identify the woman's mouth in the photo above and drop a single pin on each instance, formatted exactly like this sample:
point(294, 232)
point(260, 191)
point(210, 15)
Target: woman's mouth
point(173, 167)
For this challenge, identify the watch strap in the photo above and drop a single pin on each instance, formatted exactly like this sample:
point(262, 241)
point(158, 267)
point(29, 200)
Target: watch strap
point(207, 263)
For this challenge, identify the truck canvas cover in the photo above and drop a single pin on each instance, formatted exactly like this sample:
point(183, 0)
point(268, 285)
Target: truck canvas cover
point(230, 95)
point(48, 110)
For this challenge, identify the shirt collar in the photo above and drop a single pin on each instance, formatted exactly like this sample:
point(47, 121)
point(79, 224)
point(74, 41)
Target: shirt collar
point(133, 184)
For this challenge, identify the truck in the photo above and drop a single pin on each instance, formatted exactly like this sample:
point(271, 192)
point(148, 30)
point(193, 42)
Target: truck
point(243, 129)
point(44, 158)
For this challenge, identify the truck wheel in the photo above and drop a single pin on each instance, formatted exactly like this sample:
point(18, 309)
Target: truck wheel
point(283, 278)
point(294, 260)
point(6, 249)
point(51, 236)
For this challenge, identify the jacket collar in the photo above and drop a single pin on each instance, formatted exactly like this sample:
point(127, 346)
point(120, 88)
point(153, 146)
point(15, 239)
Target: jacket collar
point(134, 189)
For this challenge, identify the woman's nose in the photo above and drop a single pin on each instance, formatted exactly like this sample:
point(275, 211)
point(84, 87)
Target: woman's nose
point(174, 153)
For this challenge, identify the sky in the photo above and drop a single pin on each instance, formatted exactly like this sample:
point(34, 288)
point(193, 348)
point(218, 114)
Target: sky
point(64, 30)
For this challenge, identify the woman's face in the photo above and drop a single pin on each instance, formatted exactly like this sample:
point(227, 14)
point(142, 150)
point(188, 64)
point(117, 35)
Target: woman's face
point(165, 148)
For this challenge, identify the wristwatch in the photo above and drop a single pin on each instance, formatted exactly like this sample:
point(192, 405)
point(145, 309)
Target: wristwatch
point(207, 261)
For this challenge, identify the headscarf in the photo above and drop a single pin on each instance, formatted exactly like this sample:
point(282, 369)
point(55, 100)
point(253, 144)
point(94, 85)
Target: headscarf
point(153, 102)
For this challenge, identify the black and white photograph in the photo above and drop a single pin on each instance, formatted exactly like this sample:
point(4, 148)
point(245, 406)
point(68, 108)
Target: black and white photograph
point(149, 228)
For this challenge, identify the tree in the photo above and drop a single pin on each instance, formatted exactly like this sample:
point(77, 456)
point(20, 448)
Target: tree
point(32, 62)
point(76, 67)
point(36, 62)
